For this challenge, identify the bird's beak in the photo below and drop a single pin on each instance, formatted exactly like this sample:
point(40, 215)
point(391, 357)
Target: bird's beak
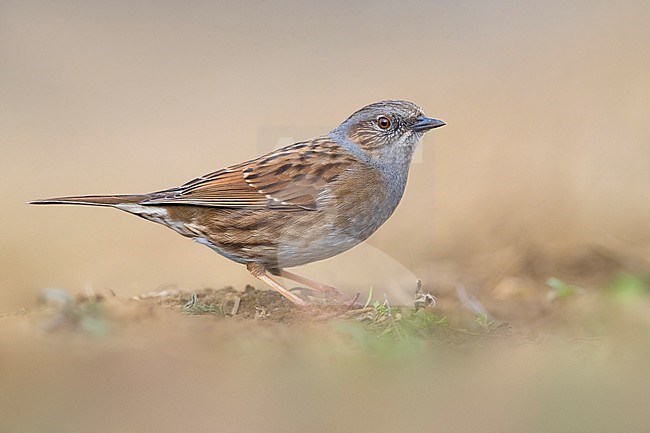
point(423, 124)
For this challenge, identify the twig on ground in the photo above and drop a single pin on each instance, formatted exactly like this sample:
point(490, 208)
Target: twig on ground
point(235, 307)
point(390, 316)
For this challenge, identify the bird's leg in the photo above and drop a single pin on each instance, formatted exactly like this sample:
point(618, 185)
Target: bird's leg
point(259, 272)
point(327, 291)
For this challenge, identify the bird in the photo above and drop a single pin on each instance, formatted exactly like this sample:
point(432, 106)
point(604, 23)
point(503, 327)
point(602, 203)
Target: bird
point(304, 202)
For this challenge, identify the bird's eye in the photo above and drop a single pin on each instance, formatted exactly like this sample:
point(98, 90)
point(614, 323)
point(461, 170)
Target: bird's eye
point(383, 122)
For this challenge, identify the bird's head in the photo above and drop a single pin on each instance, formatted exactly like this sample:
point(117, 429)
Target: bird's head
point(387, 129)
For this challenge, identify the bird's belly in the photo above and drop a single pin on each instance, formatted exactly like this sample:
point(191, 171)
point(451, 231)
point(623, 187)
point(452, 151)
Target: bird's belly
point(323, 237)
point(273, 238)
point(292, 251)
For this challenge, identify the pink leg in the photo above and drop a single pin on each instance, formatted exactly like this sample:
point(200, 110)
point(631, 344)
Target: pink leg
point(261, 274)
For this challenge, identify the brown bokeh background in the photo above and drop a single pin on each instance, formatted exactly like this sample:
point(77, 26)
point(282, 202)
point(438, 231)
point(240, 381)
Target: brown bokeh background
point(546, 104)
point(546, 152)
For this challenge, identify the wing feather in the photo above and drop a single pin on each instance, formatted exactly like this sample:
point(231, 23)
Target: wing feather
point(291, 178)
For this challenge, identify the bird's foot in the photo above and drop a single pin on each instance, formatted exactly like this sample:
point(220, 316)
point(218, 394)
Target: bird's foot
point(326, 294)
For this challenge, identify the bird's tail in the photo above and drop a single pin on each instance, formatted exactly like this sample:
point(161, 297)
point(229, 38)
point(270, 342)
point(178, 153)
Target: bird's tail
point(94, 200)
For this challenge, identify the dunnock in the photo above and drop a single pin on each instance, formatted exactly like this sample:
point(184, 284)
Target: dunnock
point(304, 202)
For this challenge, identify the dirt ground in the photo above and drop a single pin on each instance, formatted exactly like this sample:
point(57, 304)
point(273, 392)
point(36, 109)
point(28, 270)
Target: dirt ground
point(532, 290)
point(550, 343)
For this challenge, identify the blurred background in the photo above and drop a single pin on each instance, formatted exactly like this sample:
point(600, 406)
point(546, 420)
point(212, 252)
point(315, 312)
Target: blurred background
point(546, 104)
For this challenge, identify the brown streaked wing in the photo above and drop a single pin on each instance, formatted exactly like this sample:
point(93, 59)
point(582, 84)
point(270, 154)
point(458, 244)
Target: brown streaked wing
point(290, 178)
